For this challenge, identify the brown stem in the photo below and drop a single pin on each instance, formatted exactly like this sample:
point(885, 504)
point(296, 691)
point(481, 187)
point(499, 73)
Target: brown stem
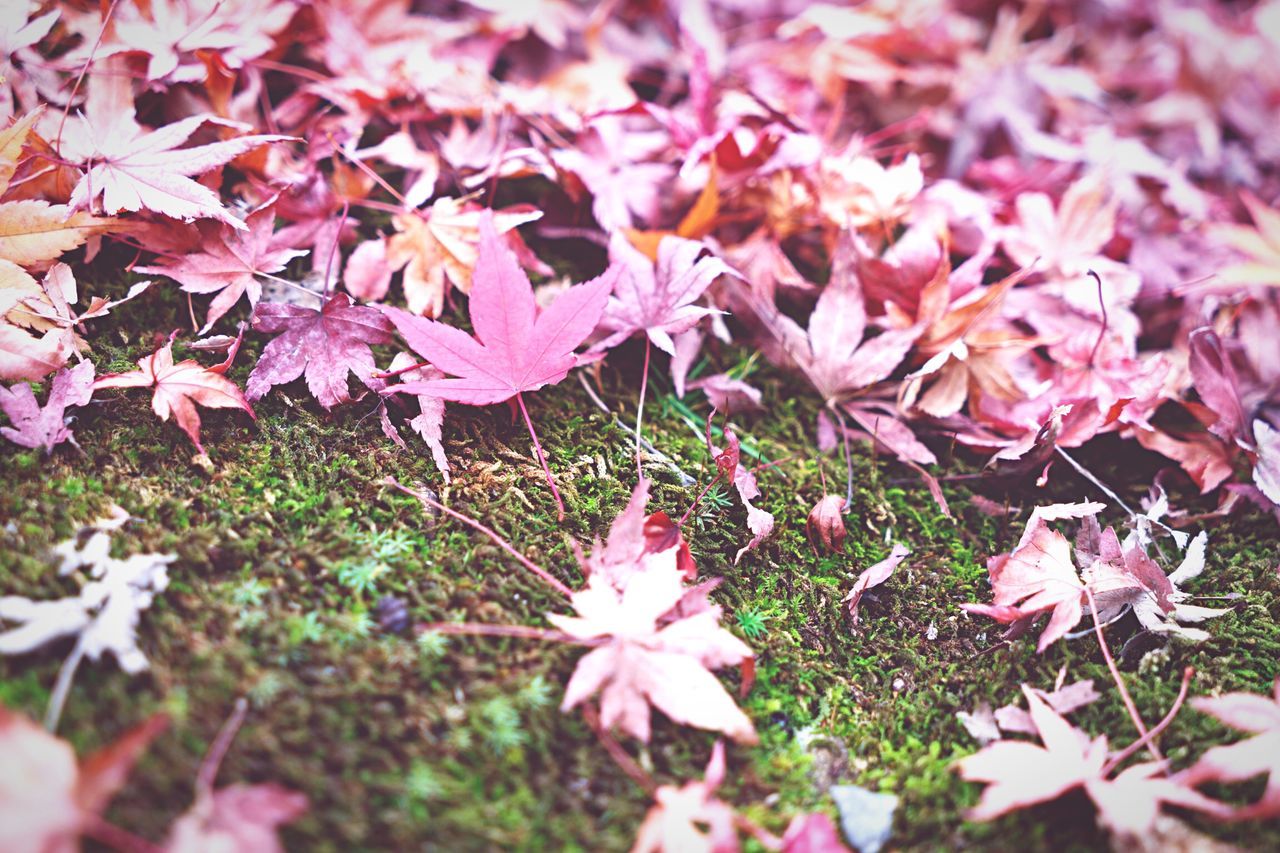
point(99, 829)
point(1102, 303)
point(71, 99)
point(644, 384)
point(537, 446)
point(625, 762)
point(698, 500)
point(1138, 744)
point(337, 238)
point(523, 632)
point(218, 750)
point(498, 540)
point(1115, 675)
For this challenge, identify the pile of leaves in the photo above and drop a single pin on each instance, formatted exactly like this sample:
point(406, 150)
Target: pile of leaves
point(1000, 229)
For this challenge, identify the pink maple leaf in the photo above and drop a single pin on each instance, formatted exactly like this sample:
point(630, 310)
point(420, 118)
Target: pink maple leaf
point(690, 818)
point(1038, 576)
point(326, 345)
point(1021, 774)
point(517, 347)
point(638, 541)
point(228, 263)
point(45, 426)
point(642, 661)
point(429, 422)
point(1258, 716)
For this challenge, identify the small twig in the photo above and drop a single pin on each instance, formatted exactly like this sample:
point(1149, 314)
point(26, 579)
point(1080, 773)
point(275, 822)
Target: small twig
point(1138, 744)
point(1136, 516)
point(537, 446)
point(1115, 675)
point(556, 232)
point(698, 500)
point(99, 829)
point(498, 540)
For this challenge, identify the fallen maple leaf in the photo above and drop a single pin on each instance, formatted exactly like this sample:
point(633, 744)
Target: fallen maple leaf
point(1259, 245)
point(28, 309)
point(1021, 774)
point(326, 345)
point(517, 348)
point(45, 426)
point(874, 576)
point(47, 797)
point(638, 541)
point(1254, 756)
point(180, 388)
point(1063, 700)
point(728, 467)
point(1039, 576)
point(33, 231)
point(642, 662)
point(690, 819)
point(429, 422)
point(134, 169)
point(832, 353)
point(228, 263)
point(441, 247)
point(657, 302)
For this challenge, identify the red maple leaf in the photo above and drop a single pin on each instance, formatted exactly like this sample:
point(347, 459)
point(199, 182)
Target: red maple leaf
point(326, 345)
point(228, 262)
point(180, 387)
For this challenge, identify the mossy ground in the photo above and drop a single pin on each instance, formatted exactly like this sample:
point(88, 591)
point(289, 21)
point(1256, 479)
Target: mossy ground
point(286, 542)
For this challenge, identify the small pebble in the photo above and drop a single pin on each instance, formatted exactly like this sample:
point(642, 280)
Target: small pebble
point(392, 614)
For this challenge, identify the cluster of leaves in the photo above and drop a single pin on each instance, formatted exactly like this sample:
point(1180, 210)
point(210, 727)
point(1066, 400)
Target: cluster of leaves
point(1053, 247)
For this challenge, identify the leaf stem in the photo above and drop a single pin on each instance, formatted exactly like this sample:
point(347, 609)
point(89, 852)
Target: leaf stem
point(390, 374)
point(625, 762)
point(1138, 744)
point(537, 446)
point(498, 540)
point(1115, 675)
point(218, 750)
point(1102, 303)
point(702, 494)
point(644, 383)
point(62, 686)
point(524, 632)
point(848, 459)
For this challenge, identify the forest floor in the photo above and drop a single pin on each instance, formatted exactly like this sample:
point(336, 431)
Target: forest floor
point(288, 539)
